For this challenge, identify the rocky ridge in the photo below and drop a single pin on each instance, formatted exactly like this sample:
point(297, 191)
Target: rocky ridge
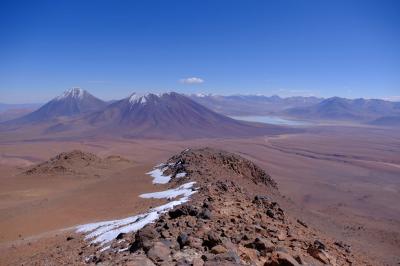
point(233, 219)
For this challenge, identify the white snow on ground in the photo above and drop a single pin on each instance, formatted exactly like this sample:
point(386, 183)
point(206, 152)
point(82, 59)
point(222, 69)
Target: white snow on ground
point(158, 173)
point(183, 190)
point(180, 175)
point(105, 248)
point(104, 232)
point(159, 177)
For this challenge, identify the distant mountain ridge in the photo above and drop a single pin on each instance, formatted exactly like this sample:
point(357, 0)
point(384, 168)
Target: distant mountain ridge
point(200, 115)
point(240, 105)
point(337, 108)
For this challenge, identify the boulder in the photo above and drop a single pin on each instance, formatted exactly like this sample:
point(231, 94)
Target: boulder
point(195, 243)
point(262, 245)
point(227, 258)
point(120, 236)
point(281, 235)
point(248, 255)
point(183, 211)
point(218, 249)
point(205, 214)
point(143, 239)
point(212, 239)
point(279, 258)
point(183, 240)
point(158, 252)
point(318, 251)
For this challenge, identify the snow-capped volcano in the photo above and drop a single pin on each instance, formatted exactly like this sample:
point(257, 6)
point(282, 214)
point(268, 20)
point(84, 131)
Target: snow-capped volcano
point(73, 93)
point(143, 98)
point(167, 115)
point(72, 102)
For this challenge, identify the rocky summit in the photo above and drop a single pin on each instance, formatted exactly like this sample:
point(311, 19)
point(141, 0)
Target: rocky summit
point(64, 162)
point(233, 219)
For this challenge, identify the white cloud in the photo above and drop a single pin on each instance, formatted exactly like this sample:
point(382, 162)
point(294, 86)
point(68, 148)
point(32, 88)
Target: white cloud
point(192, 80)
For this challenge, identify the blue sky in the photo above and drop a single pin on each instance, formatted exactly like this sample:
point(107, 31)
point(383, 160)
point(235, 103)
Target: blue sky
point(112, 48)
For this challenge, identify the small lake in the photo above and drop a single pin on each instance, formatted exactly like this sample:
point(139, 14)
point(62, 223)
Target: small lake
point(271, 120)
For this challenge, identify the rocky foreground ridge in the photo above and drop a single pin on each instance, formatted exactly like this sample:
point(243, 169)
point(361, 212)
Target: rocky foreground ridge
point(233, 219)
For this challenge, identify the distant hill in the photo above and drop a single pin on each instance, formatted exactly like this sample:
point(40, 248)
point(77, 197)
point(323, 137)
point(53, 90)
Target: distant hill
point(346, 109)
point(241, 105)
point(71, 103)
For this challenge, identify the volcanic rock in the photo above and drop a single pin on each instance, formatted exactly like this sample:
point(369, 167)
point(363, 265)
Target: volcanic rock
point(247, 225)
point(158, 252)
point(281, 259)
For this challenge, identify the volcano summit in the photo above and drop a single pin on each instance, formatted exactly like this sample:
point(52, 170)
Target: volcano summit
point(167, 115)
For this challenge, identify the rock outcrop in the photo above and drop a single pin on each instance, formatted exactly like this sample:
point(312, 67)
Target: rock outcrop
point(65, 162)
point(233, 219)
point(75, 162)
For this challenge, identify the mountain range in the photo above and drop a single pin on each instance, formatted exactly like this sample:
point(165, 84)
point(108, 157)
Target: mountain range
point(341, 109)
point(165, 115)
point(242, 105)
point(370, 111)
point(174, 115)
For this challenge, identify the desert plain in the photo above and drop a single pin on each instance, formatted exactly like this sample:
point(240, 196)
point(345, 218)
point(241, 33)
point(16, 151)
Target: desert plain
point(343, 180)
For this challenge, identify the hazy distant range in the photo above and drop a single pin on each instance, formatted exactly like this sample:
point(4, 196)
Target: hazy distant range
point(370, 111)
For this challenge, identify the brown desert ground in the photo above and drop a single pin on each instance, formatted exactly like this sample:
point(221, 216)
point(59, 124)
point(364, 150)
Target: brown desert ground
point(344, 181)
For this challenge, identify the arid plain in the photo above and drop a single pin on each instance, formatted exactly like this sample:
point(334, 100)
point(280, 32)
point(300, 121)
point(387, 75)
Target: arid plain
point(342, 180)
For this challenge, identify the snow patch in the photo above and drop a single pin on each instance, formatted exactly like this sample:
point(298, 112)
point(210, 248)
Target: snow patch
point(123, 249)
point(105, 232)
point(105, 248)
point(180, 175)
point(159, 177)
point(158, 173)
point(143, 98)
point(184, 190)
point(136, 97)
point(74, 93)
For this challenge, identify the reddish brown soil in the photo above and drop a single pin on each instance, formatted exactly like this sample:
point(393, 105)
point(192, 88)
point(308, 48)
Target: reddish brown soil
point(340, 180)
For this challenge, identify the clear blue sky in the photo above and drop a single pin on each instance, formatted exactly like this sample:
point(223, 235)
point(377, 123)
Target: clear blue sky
point(112, 48)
